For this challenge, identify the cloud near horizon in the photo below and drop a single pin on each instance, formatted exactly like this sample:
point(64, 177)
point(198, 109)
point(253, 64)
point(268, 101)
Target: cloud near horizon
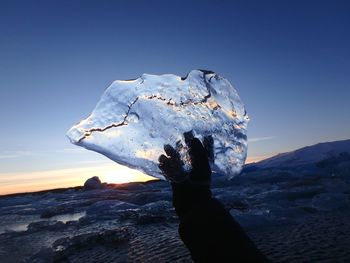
point(259, 139)
point(26, 153)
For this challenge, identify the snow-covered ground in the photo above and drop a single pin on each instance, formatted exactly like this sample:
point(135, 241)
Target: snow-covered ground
point(294, 214)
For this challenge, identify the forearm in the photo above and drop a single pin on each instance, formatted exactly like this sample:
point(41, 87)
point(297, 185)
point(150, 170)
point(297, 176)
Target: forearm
point(212, 235)
point(187, 198)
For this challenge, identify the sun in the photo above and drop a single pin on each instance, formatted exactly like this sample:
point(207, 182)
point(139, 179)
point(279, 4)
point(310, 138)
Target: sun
point(122, 174)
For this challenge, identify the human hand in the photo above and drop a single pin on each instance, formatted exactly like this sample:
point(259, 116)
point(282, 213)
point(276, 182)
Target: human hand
point(200, 154)
point(191, 188)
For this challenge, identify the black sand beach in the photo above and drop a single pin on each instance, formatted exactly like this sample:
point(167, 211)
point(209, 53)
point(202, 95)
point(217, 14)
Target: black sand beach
point(298, 219)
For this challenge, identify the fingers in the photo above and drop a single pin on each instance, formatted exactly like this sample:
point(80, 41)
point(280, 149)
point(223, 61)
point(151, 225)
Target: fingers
point(188, 137)
point(208, 144)
point(171, 166)
point(197, 153)
point(165, 166)
point(201, 172)
point(171, 152)
point(163, 163)
point(162, 159)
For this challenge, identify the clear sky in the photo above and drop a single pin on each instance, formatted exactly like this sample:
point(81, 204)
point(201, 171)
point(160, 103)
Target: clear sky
point(289, 61)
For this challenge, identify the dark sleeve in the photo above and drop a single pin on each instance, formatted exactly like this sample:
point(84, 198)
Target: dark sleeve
point(212, 235)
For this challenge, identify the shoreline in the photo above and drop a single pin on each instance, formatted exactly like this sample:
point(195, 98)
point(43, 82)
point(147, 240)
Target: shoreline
point(80, 187)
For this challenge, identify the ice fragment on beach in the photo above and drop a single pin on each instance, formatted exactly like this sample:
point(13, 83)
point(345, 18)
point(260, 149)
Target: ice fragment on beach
point(135, 118)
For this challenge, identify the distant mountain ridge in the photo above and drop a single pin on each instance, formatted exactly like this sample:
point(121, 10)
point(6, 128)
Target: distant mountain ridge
point(306, 155)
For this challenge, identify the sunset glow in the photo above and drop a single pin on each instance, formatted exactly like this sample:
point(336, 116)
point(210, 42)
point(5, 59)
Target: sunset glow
point(108, 172)
point(51, 179)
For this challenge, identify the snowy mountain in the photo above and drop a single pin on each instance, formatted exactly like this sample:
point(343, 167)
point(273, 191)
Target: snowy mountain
point(306, 155)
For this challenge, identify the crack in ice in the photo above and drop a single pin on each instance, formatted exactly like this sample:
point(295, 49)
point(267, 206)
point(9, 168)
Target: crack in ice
point(169, 102)
point(202, 102)
point(113, 125)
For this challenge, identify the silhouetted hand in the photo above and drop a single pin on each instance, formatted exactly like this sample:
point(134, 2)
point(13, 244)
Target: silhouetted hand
point(190, 189)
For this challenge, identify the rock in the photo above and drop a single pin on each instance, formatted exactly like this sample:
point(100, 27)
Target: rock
point(152, 213)
point(93, 183)
point(147, 197)
point(45, 225)
point(56, 210)
point(157, 212)
point(69, 245)
point(108, 209)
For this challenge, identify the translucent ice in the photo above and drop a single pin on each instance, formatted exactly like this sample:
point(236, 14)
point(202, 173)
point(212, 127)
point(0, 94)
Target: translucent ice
point(134, 119)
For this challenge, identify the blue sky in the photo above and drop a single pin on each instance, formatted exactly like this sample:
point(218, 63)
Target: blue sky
point(289, 61)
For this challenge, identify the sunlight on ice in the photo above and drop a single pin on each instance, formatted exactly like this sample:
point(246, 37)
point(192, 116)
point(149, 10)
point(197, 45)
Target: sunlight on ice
point(150, 154)
point(135, 118)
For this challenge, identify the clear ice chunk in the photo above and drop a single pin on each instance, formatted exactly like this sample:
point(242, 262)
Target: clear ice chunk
point(134, 119)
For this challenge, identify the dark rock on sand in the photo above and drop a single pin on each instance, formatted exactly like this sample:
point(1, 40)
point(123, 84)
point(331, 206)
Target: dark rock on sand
point(93, 183)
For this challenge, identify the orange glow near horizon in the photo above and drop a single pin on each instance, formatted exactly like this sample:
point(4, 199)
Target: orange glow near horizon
point(116, 177)
point(253, 159)
point(11, 183)
point(61, 178)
